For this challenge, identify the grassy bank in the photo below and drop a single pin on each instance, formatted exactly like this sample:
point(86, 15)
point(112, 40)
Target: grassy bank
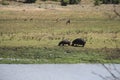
point(58, 55)
point(32, 36)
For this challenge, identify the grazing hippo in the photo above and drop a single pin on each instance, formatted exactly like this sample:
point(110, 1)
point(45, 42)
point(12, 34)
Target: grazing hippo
point(63, 42)
point(78, 41)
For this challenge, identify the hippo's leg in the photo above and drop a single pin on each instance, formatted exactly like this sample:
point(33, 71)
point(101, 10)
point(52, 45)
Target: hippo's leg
point(83, 45)
point(68, 44)
point(72, 44)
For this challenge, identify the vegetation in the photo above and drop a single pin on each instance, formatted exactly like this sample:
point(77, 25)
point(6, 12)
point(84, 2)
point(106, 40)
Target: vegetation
point(4, 2)
point(98, 2)
point(32, 36)
point(74, 1)
point(110, 1)
point(30, 1)
point(65, 2)
point(57, 55)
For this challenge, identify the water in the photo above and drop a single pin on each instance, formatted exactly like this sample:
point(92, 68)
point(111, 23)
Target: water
point(56, 71)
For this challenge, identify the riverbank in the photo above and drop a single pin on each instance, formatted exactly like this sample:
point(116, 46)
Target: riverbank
point(48, 55)
point(30, 33)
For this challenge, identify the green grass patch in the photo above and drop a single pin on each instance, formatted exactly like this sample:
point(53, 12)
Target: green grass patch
point(58, 55)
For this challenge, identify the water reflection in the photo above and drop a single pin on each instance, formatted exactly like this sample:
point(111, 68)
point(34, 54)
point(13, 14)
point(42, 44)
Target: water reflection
point(55, 71)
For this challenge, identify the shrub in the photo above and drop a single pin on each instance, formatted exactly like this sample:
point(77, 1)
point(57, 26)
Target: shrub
point(30, 1)
point(64, 2)
point(96, 2)
point(55, 0)
point(43, 0)
point(116, 1)
point(110, 1)
point(74, 1)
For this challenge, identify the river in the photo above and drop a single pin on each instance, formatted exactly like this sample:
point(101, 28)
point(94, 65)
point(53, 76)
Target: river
point(57, 71)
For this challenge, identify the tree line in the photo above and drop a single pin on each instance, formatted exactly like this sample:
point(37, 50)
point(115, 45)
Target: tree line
point(65, 2)
point(98, 2)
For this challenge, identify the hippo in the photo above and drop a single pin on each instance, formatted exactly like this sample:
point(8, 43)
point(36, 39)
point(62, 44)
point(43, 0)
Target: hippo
point(64, 42)
point(78, 41)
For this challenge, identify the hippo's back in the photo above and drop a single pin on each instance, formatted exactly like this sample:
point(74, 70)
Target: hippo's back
point(78, 41)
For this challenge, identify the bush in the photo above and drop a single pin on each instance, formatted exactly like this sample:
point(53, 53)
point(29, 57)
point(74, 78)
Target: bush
point(64, 2)
point(30, 1)
point(110, 1)
point(56, 0)
point(96, 2)
point(74, 1)
point(116, 1)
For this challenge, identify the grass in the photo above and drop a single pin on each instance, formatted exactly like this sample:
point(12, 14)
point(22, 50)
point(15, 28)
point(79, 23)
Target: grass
point(58, 55)
point(33, 36)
